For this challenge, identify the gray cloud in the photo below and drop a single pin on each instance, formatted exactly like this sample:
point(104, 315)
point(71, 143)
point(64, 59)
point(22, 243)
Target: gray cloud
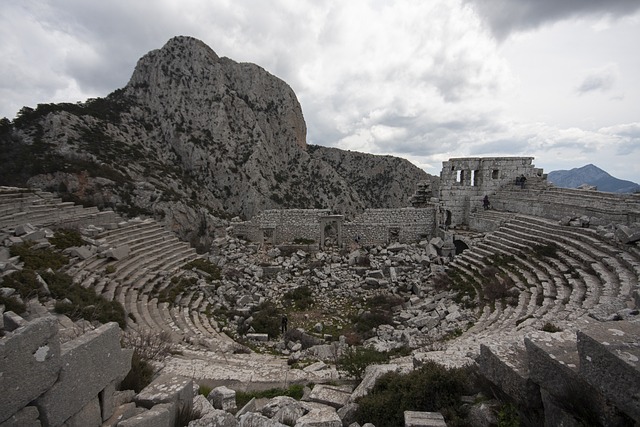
point(422, 80)
point(507, 16)
point(601, 79)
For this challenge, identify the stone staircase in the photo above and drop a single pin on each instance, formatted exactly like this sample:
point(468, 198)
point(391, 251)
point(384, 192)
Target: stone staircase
point(153, 257)
point(586, 275)
point(20, 206)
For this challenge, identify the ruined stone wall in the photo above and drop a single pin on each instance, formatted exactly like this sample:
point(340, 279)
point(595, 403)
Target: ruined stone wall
point(374, 226)
point(465, 181)
point(47, 383)
point(379, 226)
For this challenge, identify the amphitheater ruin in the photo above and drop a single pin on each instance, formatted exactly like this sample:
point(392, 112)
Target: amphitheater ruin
point(587, 288)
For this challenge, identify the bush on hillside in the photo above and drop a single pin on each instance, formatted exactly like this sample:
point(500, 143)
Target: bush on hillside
point(431, 388)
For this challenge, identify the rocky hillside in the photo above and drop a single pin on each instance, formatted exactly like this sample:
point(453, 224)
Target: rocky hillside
point(193, 138)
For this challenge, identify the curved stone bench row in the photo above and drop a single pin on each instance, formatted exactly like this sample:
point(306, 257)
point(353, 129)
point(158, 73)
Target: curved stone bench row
point(589, 275)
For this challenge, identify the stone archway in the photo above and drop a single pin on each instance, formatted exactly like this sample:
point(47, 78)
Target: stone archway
point(460, 246)
point(331, 224)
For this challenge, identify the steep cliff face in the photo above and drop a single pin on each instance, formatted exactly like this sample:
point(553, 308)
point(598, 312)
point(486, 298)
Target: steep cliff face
point(193, 138)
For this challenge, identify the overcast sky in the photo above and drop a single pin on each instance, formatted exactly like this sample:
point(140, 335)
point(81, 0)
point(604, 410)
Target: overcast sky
point(427, 80)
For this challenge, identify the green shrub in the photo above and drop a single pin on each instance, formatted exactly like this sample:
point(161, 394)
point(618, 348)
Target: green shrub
point(295, 391)
point(25, 282)
point(64, 239)
point(206, 266)
point(204, 390)
point(431, 388)
point(139, 376)
point(12, 304)
point(550, 327)
point(84, 303)
point(301, 298)
point(508, 416)
point(110, 269)
point(266, 320)
point(356, 359)
point(185, 414)
point(39, 259)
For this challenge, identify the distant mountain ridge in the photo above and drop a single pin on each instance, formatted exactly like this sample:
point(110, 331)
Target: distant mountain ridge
point(591, 175)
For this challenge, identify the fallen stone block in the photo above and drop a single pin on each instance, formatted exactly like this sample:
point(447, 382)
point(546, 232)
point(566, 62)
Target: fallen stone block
point(159, 415)
point(627, 234)
point(423, 419)
point(119, 253)
point(89, 415)
point(554, 365)
point(348, 413)
point(122, 412)
point(35, 235)
point(223, 398)
point(23, 229)
point(167, 389)
point(89, 363)
point(29, 364)
point(252, 419)
point(12, 321)
point(371, 375)
point(258, 337)
point(320, 417)
point(25, 417)
point(334, 396)
point(610, 361)
point(506, 367)
point(82, 252)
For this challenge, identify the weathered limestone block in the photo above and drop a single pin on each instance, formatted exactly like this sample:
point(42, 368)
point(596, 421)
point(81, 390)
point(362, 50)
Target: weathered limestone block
point(119, 253)
point(23, 229)
point(88, 416)
point(554, 365)
point(423, 419)
point(122, 412)
point(89, 363)
point(107, 403)
point(249, 407)
point(287, 407)
point(210, 416)
point(610, 361)
point(320, 417)
point(82, 252)
point(223, 398)
point(25, 417)
point(29, 364)
point(159, 416)
point(258, 337)
point(335, 396)
point(12, 321)
point(175, 390)
point(507, 368)
point(627, 234)
point(348, 413)
point(556, 414)
point(371, 375)
point(252, 419)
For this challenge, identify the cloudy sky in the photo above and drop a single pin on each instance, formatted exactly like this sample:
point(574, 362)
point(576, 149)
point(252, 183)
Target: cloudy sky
point(427, 80)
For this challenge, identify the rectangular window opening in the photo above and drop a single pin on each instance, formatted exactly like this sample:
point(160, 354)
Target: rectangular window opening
point(494, 174)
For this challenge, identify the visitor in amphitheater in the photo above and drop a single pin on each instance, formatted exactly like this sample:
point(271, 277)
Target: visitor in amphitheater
point(485, 202)
point(285, 322)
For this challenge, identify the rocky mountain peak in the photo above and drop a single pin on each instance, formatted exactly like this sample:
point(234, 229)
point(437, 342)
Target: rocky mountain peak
point(192, 138)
